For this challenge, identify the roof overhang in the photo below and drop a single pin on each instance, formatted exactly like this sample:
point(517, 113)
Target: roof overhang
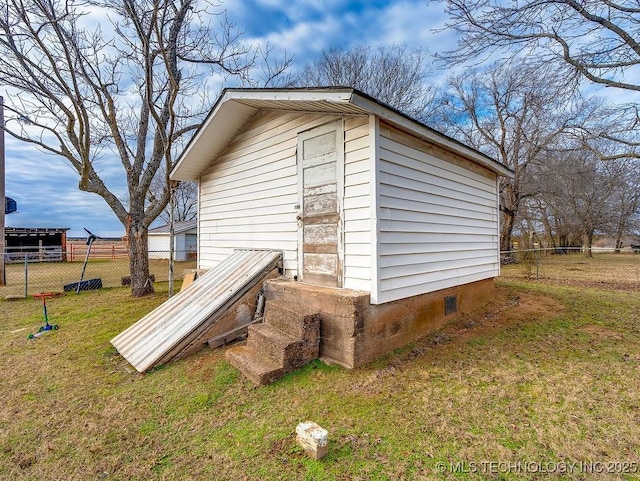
point(180, 227)
point(235, 107)
point(35, 230)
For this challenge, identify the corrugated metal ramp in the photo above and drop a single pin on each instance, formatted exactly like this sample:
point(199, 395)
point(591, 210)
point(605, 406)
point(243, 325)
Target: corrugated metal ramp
point(177, 323)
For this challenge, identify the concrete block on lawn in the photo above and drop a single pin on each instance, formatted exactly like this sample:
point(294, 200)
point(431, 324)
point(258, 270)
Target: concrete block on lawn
point(313, 438)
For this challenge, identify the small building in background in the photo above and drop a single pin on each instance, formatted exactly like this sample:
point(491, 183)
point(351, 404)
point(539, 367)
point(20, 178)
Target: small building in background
point(185, 245)
point(38, 243)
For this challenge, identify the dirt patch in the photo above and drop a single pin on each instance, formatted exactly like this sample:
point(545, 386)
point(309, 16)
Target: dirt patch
point(508, 310)
point(24, 461)
point(601, 332)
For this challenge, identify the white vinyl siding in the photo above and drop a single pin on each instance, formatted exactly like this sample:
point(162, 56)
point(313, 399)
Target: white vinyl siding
point(357, 200)
point(415, 219)
point(179, 247)
point(438, 219)
point(248, 196)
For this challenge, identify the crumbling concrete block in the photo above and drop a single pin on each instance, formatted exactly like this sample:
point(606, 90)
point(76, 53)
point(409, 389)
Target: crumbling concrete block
point(313, 438)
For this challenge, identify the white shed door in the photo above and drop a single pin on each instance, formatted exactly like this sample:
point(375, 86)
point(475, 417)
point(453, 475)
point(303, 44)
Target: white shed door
point(318, 155)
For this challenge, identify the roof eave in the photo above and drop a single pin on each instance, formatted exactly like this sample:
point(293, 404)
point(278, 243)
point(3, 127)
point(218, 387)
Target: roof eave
point(194, 148)
point(229, 114)
point(237, 115)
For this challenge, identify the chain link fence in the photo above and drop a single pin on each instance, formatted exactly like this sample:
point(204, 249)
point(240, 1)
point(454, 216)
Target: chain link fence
point(50, 270)
point(604, 267)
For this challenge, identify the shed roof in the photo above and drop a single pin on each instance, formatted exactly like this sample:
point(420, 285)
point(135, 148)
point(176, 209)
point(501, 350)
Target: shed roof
point(178, 227)
point(235, 107)
point(33, 231)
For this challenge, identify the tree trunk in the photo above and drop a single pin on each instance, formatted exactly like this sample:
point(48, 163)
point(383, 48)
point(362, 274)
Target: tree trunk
point(505, 232)
point(587, 243)
point(619, 234)
point(619, 244)
point(141, 284)
point(563, 240)
point(548, 231)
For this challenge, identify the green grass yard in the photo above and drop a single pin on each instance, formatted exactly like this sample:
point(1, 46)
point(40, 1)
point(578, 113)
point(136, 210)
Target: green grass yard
point(545, 374)
point(52, 276)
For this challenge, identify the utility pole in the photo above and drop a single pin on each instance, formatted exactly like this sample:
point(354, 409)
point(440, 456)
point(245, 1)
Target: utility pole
point(3, 277)
point(172, 208)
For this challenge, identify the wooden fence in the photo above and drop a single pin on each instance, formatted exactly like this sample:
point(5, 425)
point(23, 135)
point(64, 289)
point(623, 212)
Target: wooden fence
point(77, 250)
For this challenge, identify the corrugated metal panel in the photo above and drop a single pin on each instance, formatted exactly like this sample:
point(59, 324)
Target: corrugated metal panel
point(162, 333)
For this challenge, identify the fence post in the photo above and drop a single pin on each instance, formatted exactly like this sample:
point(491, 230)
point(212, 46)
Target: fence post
point(26, 275)
point(537, 263)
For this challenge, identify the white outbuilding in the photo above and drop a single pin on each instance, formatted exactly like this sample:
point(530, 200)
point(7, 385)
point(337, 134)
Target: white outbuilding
point(383, 228)
point(356, 194)
point(185, 241)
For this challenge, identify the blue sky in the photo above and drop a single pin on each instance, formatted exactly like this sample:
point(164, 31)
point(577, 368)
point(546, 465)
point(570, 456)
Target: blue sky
point(46, 188)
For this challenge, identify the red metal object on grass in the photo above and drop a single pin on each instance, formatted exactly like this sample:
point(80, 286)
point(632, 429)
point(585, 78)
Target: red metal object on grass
point(44, 296)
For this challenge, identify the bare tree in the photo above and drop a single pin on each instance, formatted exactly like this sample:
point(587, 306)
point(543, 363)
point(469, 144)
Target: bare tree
point(581, 188)
point(131, 88)
point(394, 75)
point(596, 39)
point(574, 196)
point(625, 199)
point(548, 222)
point(616, 127)
point(512, 116)
point(185, 200)
point(592, 40)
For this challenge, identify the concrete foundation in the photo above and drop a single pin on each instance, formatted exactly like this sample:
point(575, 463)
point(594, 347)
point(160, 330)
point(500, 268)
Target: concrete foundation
point(353, 332)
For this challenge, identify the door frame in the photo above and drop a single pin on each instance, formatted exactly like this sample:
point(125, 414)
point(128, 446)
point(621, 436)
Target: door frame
point(338, 126)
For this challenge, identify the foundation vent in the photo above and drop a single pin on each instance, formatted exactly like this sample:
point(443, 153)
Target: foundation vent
point(450, 305)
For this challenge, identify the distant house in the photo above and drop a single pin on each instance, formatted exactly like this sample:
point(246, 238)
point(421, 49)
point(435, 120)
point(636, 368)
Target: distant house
point(185, 244)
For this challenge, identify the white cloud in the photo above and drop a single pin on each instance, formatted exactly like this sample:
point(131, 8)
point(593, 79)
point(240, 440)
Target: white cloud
point(412, 23)
point(298, 10)
point(305, 39)
point(334, 26)
point(46, 190)
point(277, 4)
point(46, 187)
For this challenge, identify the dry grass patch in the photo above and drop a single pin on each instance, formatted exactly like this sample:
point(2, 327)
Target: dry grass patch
point(608, 270)
point(542, 374)
point(52, 276)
